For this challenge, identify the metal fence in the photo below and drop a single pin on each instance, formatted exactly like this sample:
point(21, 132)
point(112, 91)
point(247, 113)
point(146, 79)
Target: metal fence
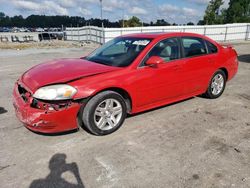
point(88, 34)
point(228, 32)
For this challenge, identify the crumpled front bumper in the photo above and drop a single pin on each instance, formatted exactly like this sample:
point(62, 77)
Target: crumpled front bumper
point(45, 121)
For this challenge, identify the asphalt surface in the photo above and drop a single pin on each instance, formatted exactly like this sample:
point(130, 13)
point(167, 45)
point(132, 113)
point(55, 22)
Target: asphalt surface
point(193, 143)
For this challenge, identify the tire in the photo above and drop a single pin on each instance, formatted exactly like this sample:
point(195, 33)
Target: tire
point(104, 113)
point(217, 85)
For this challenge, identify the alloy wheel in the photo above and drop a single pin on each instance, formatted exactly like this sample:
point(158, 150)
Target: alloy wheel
point(108, 114)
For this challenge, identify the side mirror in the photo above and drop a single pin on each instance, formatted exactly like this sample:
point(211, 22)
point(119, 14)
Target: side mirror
point(154, 61)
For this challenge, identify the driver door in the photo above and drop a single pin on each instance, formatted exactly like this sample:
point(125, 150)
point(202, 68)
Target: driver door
point(163, 82)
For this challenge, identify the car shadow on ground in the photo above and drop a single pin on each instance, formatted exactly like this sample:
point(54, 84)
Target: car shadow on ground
point(2, 110)
point(54, 134)
point(244, 58)
point(58, 166)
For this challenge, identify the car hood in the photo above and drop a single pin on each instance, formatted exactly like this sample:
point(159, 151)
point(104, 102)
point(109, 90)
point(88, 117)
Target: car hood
point(61, 71)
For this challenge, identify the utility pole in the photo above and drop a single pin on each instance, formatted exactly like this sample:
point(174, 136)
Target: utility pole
point(101, 13)
point(103, 35)
point(122, 17)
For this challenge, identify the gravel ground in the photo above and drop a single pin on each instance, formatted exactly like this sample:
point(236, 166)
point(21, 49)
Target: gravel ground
point(194, 143)
point(42, 45)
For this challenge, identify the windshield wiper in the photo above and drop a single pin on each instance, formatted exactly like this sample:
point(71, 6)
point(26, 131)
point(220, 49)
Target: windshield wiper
point(99, 62)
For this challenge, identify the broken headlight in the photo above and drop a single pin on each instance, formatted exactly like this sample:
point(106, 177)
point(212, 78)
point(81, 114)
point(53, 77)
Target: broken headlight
point(55, 92)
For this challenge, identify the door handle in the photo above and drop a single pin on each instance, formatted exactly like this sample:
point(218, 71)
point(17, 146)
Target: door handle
point(210, 60)
point(176, 67)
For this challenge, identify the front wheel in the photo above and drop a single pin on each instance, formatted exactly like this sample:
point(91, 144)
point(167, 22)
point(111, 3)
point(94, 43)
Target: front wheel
point(104, 113)
point(217, 85)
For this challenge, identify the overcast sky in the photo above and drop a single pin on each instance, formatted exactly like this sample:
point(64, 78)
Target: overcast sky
point(178, 11)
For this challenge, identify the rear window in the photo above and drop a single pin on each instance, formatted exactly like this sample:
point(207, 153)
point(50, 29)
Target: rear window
point(193, 46)
point(211, 48)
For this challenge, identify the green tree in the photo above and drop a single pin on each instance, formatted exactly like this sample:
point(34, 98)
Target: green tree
point(4, 20)
point(201, 22)
point(2, 15)
point(190, 23)
point(161, 22)
point(133, 22)
point(238, 11)
point(212, 15)
point(17, 21)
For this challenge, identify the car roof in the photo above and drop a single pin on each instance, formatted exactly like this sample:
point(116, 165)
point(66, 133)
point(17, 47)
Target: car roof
point(155, 35)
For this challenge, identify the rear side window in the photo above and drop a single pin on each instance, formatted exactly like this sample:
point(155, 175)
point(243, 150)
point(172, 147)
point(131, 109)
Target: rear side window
point(193, 46)
point(211, 48)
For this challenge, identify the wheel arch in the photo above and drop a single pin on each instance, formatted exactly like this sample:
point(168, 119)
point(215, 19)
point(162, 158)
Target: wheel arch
point(126, 96)
point(122, 92)
point(225, 71)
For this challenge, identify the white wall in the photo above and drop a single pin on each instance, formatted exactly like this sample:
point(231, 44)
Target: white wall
point(226, 32)
point(88, 33)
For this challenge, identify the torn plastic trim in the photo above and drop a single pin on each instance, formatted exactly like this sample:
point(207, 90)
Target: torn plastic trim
point(56, 105)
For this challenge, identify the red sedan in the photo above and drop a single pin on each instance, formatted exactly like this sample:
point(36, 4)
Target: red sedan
point(128, 74)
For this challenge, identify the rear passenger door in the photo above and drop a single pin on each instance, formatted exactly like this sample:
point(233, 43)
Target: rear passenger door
point(198, 67)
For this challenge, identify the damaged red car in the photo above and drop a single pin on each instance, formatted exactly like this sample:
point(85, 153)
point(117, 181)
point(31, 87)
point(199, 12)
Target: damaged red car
point(127, 75)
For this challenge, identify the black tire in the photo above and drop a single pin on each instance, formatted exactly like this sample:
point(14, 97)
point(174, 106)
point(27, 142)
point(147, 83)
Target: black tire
point(88, 117)
point(209, 94)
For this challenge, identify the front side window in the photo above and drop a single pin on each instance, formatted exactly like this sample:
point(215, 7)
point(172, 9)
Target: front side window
point(167, 49)
point(119, 52)
point(193, 46)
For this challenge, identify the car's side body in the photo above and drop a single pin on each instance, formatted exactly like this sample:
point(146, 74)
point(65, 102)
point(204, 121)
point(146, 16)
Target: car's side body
point(152, 87)
point(143, 87)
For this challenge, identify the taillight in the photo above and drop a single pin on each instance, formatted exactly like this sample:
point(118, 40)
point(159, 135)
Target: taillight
point(235, 52)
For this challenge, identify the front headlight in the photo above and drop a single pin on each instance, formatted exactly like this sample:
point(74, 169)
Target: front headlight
point(55, 92)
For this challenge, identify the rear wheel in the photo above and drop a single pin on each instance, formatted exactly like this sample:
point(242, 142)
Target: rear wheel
point(104, 113)
point(217, 85)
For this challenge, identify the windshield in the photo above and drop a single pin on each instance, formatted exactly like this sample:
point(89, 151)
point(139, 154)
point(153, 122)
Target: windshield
point(119, 52)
